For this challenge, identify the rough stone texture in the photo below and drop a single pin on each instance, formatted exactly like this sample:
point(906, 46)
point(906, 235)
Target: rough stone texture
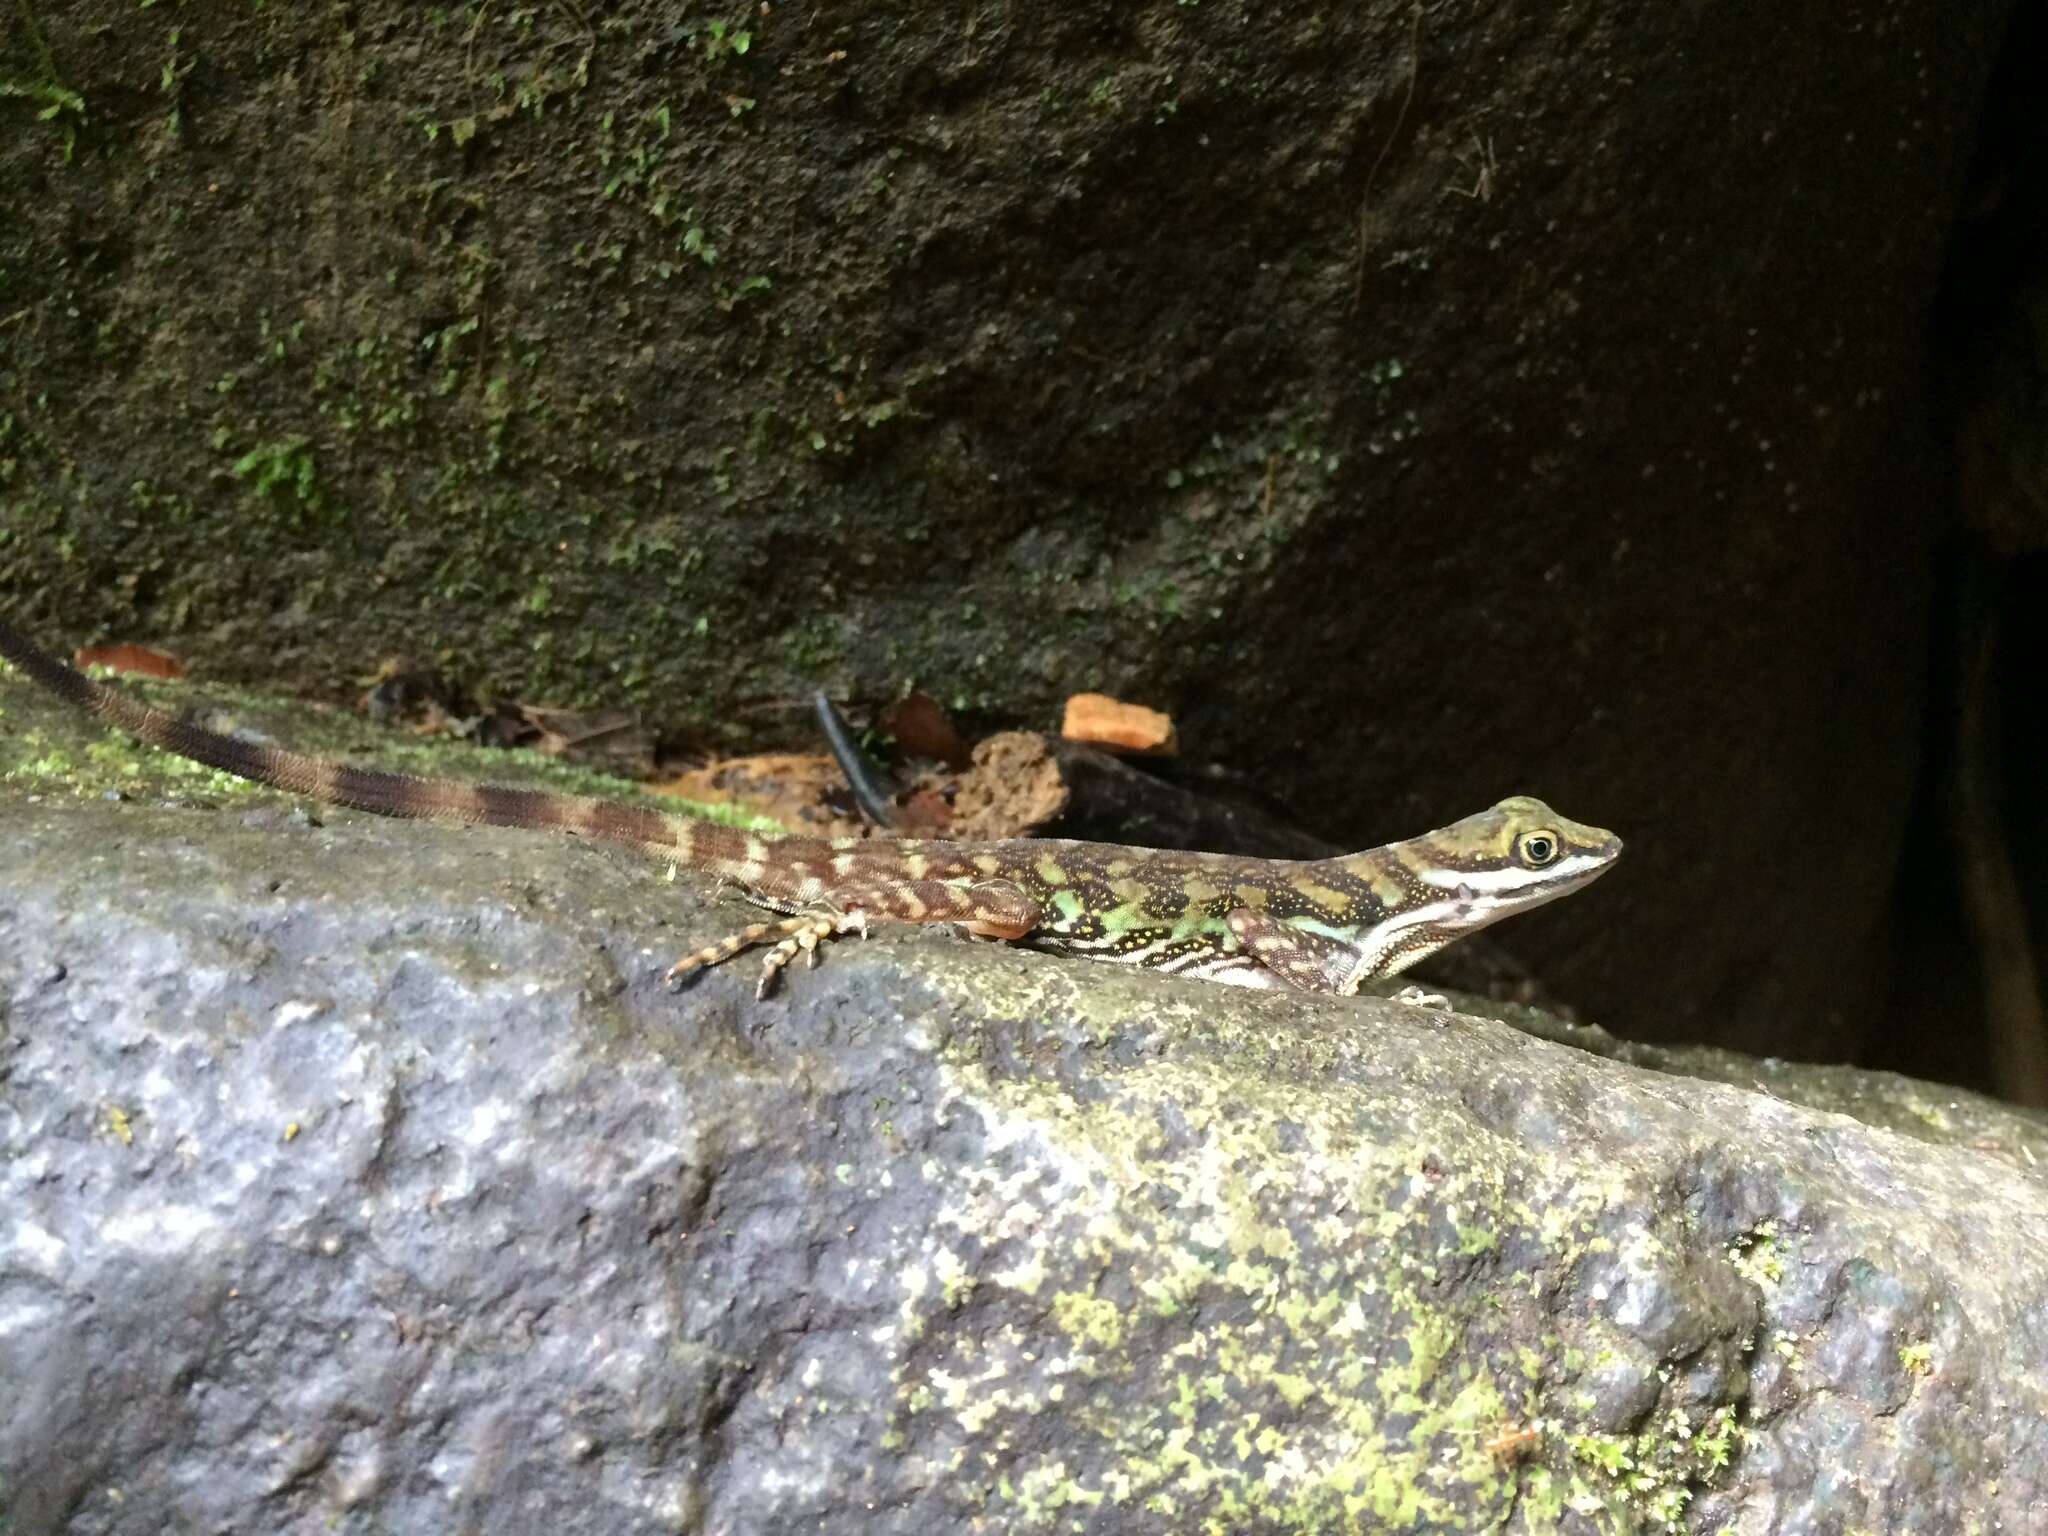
point(361, 1177)
point(1422, 403)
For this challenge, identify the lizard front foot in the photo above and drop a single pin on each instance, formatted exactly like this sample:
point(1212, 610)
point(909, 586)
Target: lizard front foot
point(1417, 997)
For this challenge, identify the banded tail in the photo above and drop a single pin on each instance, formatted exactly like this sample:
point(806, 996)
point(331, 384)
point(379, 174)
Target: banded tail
point(699, 844)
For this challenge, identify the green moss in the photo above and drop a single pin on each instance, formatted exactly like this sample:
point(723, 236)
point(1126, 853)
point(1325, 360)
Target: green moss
point(1655, 1473)
point(112, 765)
point(1257, 1358)
point(1092, 1322)
point(1756, 1256)
point(1366, 1434)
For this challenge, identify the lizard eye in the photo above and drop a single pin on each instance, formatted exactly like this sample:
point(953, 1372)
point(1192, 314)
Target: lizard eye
point(1539, 848)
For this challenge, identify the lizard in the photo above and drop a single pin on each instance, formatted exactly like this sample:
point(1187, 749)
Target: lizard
point(1313, 925)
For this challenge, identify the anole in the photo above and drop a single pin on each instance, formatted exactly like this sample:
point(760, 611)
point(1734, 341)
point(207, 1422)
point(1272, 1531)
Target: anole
point(1320, 925)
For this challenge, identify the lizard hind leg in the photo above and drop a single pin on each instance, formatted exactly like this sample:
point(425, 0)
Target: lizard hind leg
point(790, 937)
point(993, 908)
point(802, 935)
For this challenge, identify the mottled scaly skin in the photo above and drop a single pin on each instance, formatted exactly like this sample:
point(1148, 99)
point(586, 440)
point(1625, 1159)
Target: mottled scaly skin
point(1323, 925)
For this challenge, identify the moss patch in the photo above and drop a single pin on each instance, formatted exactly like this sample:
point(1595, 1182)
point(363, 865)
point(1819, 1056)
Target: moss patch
point(1277, 1305)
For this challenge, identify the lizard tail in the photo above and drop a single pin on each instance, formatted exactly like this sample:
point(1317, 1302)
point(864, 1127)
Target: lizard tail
point(704, 845)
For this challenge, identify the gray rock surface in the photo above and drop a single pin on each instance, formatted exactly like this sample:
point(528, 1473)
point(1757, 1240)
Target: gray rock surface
point(360, 1176)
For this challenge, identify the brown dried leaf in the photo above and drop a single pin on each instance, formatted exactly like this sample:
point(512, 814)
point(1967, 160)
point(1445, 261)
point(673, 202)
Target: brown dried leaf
point(922, 729)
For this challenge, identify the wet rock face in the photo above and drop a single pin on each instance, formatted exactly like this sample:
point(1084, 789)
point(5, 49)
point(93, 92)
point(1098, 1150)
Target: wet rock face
point(361, 1173)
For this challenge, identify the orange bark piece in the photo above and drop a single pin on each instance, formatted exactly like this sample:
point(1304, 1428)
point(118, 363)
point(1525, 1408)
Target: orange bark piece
point(1101, 721)
point(135, 660)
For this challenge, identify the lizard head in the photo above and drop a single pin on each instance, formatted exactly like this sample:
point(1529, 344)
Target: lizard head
point(1516, 855)
point(1520, 850)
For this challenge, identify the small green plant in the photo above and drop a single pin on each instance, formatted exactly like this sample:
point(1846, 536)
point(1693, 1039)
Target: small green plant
point(721, 40)
point(170, 79)
point(57, 105)
point(286, 464)
point(695, 242)
point(730, 299)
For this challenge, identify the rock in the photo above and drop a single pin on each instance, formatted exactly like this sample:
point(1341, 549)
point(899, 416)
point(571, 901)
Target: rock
point(361, 1175)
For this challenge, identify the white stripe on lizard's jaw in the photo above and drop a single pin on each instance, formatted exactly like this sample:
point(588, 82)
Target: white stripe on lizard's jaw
point(1487, 882)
